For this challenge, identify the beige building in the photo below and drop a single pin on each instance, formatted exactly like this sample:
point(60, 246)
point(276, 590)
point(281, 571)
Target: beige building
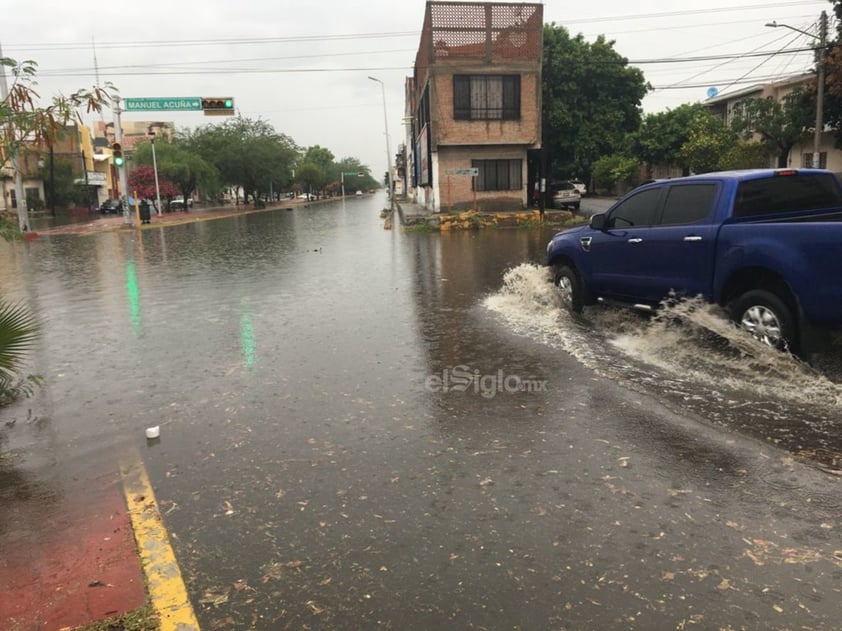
point(473, 106)
point(89, 155)
point(73, 145)
point(801, 155)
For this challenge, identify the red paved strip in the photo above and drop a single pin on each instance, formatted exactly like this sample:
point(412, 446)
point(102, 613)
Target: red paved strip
point(68, 562)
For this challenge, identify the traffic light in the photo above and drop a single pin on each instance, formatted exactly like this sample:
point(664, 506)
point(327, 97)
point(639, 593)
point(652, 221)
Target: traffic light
point(117, 154)
point(218, 106)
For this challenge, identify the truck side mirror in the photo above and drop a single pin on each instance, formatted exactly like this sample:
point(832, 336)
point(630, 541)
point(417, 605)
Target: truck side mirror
point(598, 222)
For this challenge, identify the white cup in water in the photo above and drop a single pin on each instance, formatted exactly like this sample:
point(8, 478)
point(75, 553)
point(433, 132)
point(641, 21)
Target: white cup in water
point(153, 432)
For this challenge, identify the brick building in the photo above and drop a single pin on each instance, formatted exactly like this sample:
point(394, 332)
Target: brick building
point(474, 106)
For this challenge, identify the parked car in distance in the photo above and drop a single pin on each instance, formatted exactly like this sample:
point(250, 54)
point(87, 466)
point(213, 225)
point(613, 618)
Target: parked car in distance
point(579, 185)
point(111, 206)
point(177, 203)
point(566, 196)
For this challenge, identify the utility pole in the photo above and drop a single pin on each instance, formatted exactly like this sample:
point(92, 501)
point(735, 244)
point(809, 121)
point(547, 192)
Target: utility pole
point(817, 138)
point(155, 170)
point(820, 50)
point(121, 170)
point(388, 151)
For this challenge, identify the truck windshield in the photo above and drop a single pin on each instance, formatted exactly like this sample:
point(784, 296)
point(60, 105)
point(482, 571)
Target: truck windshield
point(780, 194)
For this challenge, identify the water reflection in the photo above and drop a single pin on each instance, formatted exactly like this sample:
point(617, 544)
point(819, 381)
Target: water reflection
point(287, 356)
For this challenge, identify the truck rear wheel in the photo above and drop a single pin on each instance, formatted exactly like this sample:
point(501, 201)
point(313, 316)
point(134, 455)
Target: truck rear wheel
point(569, 285)
point(767, 318)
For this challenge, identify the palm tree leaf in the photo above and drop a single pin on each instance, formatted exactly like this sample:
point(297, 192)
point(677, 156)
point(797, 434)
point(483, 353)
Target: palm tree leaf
point(18, 333)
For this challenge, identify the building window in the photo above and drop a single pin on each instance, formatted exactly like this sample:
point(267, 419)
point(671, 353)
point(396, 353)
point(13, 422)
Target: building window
point(499, 175)
point(807, 160)
point(486, 97)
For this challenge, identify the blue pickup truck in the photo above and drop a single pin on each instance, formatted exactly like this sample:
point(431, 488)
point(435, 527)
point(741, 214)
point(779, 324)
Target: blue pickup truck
point(765, 244)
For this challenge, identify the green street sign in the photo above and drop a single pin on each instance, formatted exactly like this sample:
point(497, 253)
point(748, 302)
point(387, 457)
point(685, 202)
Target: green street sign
point(170, 104)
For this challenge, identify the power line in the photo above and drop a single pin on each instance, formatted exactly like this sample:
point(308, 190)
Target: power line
point(218, 42)
point(667, 14)
point(135, 71)
point(376, 35)
point(731, 82)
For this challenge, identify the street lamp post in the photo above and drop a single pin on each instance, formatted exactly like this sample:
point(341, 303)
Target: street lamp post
point(822, 37)
point(155, 170)
point(388, 152)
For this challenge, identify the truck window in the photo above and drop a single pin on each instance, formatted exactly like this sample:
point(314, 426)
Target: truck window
point(787, 193)
point(636, 211)
point(688, 203)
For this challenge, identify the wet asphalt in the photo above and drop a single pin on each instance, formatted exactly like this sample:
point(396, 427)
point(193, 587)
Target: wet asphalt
point(371, 429)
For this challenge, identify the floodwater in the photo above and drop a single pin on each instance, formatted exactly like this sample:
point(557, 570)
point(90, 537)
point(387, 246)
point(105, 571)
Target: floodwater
point(366, 428)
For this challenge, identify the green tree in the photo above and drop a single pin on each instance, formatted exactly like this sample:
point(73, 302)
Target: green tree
point(746, 155)
point(311, 176)
point(178, 164)
point(708, 140)
point(661, 136)
point(60, 187)
point(833, 78)
point(27, 123)
point(779, 124)
point(353, 165)
point(591, 101)
point(615, 172)
point(247, 153)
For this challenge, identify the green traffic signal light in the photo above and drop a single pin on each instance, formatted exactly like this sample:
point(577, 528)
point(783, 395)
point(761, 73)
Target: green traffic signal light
point(117, 154)
point(218, 106)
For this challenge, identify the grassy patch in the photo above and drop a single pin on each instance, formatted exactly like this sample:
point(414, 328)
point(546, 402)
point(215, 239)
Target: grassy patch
point(143, 619)
point(422, 227)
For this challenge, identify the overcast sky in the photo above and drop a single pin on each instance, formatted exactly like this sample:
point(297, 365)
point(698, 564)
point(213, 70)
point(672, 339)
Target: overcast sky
point(303, 65)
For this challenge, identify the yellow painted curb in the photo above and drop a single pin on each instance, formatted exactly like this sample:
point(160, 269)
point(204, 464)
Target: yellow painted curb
point(163, 576)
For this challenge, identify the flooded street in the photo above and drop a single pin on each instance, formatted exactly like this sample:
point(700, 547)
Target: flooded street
point(364, 428)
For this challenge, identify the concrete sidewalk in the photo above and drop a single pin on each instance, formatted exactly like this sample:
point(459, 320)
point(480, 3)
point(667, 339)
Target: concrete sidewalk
point(106, 223)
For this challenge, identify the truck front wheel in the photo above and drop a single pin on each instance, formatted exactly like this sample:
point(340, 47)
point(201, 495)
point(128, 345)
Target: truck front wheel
point(766, 317)
point(569, 288)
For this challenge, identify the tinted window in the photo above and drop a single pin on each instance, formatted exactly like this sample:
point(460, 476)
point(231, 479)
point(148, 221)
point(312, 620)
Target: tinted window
point(636, 211)
point(688, 203)
point(786, 193)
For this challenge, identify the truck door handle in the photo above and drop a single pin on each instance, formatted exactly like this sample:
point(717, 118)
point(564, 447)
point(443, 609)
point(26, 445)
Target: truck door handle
point(693, 238)
point(636, 240)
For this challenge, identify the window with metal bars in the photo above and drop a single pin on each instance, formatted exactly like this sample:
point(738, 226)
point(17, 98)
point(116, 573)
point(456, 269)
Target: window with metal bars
point(486, 97)
point(499, 175)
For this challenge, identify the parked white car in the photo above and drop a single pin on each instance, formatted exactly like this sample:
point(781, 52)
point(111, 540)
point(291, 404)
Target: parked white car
point(177, 203)
point(566, 195)
point(579, 185)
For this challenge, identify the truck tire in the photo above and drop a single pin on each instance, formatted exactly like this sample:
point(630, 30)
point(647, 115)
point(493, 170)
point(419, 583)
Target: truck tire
point(569, 286)
point(767, 318)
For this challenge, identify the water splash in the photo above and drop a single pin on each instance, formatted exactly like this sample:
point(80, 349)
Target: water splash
point(690, 344)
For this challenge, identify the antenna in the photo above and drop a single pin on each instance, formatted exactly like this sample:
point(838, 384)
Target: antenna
point(96, 71)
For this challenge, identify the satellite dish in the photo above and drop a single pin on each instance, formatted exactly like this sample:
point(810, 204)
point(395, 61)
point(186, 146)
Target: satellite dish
point(712, 92)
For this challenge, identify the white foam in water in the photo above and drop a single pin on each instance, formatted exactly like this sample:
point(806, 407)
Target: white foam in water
point(690, 341)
